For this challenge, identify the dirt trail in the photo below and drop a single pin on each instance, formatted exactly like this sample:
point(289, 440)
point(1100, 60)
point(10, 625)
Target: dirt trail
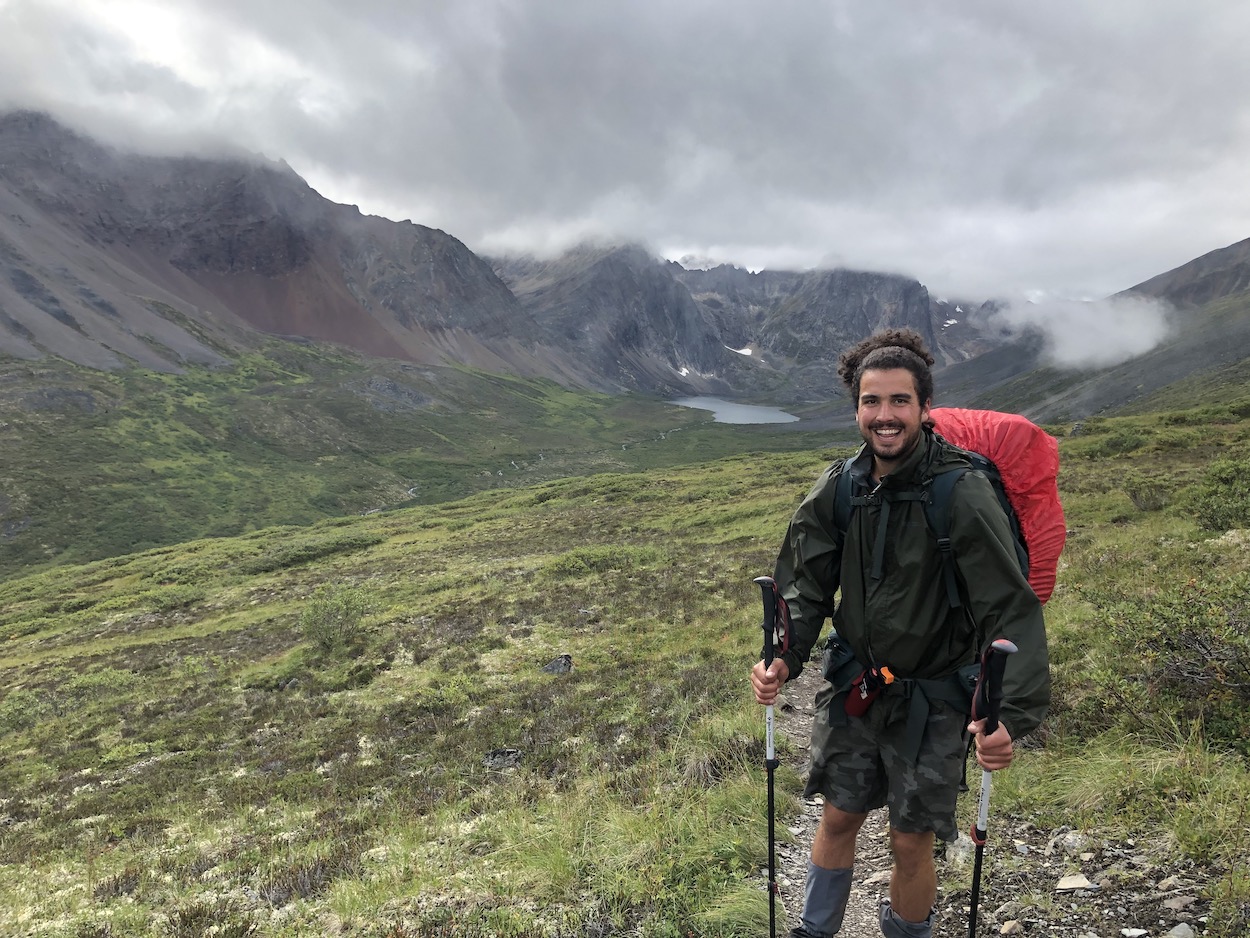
point(872, 866)
point(1133, 887)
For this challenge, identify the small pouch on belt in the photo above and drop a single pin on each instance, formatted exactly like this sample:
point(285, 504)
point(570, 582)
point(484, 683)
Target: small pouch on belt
point(865, 688)
point(839, 665)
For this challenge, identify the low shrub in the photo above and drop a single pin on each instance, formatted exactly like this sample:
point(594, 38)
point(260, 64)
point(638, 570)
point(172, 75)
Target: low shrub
point(1147, 493)
point(1222, 499)
point(1191, 651)
point(1117, 442)
point(20, 710)
point(601, 558)
point(305, 551)
point(177, 596)
point(334, 616)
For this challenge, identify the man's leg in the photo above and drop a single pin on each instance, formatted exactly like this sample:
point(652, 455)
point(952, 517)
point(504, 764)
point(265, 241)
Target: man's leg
point(829, 873)
point(834, 844)
point(923, 796)
point(913, 885)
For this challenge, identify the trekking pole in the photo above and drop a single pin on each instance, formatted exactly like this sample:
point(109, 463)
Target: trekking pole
point(776, 633)
point(985, 703)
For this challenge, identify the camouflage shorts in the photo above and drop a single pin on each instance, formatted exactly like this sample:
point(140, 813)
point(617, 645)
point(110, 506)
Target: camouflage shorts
point(858, 765)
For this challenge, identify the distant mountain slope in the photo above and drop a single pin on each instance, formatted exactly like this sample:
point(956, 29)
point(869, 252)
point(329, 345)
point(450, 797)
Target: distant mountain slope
point(1208, 339)
point(89, 237)
point(111, 259)
point(737, 300)
point(1209, 336)
point(1210, 277)
point(620, 311)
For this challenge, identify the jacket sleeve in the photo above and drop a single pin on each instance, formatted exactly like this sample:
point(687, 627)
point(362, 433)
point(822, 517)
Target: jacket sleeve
point(808, 568)
point(1001, 601)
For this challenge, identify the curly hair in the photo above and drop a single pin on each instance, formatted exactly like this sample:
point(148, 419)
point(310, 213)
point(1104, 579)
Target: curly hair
point(890, 348)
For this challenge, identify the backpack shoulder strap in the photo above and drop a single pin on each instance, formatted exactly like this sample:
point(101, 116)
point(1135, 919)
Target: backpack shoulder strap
point(938, 516)
point(842, 502)
point(937, 512)
point(845, 502)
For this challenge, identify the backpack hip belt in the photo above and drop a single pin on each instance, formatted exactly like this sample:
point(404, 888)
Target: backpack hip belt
point(954, 689)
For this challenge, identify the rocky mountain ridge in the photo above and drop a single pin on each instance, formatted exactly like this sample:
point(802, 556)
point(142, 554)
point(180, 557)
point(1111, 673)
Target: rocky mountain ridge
point(100, 246)
point(112, 259)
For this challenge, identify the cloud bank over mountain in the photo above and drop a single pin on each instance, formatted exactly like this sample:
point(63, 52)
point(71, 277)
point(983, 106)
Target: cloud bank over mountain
point(984, 148)
point(1091, 333)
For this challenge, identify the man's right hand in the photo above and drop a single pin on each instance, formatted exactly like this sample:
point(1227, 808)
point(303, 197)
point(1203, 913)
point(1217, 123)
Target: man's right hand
point(767, 682)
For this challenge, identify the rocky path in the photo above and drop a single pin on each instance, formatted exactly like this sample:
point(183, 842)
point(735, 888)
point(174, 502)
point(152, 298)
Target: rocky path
point(1036, 881)
point(793, 718)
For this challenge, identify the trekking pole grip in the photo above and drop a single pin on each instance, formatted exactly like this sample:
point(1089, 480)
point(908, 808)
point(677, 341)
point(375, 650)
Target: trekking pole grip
point(768, 588)
point(989, 696)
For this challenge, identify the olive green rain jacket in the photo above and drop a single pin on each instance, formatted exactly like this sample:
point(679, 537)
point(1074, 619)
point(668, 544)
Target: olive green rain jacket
point(903, 620)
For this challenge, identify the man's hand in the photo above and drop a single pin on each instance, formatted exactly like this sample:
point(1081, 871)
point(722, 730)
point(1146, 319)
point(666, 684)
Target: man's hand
point(995, 751)
point(767, 683)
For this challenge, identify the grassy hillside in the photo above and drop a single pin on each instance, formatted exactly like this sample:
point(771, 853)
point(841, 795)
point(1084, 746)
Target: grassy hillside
point(99, 464)
point(357, 726)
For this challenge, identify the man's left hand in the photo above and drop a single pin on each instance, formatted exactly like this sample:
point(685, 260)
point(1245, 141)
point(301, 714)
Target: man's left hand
point(995, 751)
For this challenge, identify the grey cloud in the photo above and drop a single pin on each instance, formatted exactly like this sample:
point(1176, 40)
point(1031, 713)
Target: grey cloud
point(978, 145)
point(1092, 333)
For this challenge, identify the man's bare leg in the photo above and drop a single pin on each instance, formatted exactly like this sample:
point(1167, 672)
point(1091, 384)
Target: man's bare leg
point(913, 886)
point(834, 844)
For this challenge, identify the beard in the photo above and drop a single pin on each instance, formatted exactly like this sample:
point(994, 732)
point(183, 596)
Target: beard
point(893, 449)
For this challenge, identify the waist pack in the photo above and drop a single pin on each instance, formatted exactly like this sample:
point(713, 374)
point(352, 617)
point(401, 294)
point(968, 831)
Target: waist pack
point(862, 685)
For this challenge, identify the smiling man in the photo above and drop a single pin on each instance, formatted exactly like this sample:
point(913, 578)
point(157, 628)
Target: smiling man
point(890, 416)
point(892, 714)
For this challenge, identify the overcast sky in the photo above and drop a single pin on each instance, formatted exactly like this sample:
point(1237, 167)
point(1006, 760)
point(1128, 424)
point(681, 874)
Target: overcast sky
point(987, 147)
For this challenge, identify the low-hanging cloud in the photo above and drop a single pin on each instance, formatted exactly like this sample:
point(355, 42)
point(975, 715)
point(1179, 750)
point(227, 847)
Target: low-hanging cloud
point(982, 147)
point(1090, 333)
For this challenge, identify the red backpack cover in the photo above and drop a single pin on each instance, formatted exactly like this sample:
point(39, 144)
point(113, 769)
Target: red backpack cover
point(1027, 458)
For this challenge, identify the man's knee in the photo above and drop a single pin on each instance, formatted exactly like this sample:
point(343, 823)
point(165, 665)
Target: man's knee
point(912, 851)
point(834, 845)
point(834, 822)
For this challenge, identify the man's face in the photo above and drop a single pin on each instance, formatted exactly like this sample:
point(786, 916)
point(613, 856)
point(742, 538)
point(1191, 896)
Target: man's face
point(889, 415)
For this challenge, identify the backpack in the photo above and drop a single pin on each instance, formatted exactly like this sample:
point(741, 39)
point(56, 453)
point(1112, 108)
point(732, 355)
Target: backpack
point(1021, 461)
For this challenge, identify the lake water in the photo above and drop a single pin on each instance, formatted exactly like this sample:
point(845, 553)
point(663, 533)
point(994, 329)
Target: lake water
point(729, 412)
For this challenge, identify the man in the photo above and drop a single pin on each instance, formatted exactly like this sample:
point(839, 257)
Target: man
point(896, 737)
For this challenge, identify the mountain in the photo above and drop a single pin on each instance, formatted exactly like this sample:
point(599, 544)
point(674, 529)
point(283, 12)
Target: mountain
point(736, 300)
point(112, 258)
point(119, 272)
point(1209, 322)
point(620, 312)
point(109, 259)
point(1210, 277)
